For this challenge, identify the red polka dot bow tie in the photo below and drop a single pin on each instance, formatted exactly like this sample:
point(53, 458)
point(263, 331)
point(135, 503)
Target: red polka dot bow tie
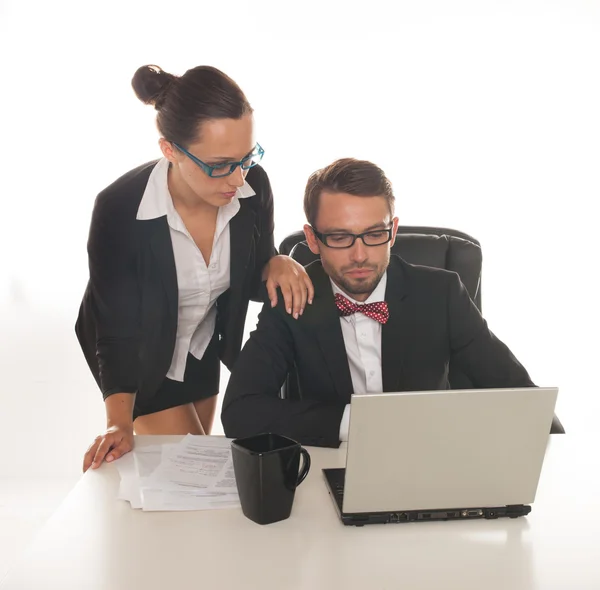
point(376, 311)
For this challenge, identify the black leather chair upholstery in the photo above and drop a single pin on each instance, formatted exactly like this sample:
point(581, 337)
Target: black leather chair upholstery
point(438, 247)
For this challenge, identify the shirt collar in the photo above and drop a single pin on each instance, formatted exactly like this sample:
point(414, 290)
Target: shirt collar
point(377, 295)
point(156, 200)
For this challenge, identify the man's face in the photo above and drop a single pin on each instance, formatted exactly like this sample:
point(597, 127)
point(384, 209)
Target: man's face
point(356, 270)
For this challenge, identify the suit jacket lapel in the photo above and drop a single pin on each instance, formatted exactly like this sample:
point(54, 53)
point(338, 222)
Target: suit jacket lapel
point(326, 323)
point(156, 233)
point(393, 333)
point(241, 229)
point(159, 237)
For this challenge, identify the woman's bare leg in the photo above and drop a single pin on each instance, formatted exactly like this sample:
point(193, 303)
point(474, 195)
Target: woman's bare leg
point(205, 409)
point(178, 420)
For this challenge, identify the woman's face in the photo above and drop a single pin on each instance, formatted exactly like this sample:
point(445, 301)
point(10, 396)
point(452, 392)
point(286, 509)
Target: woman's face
point(221, 141)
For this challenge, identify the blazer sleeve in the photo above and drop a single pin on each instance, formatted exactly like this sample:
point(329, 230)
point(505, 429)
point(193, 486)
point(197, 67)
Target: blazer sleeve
point(252, 404)
point(485, 359)
point(115, 299)
point(265, 246)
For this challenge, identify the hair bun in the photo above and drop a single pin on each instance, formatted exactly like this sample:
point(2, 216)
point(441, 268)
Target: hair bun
point(150, 84)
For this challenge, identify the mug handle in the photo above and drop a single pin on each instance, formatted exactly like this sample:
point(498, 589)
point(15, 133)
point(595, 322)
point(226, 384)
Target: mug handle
point(305, 467)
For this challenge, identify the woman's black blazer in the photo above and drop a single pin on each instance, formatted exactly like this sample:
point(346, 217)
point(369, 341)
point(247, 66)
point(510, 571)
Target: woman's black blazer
point(127, 321)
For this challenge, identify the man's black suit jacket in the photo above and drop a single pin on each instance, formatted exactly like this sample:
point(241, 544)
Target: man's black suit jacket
point(433, 322)
point(127, 321)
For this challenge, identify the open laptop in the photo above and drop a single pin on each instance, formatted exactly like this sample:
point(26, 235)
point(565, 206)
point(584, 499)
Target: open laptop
point(442, 455)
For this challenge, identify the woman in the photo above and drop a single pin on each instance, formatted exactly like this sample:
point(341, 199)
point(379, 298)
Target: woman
point(177, 247)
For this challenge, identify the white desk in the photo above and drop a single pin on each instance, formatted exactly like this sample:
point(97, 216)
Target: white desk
point(95, 542)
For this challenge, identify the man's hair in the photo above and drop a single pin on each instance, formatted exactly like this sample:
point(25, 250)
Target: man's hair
point(355, 177)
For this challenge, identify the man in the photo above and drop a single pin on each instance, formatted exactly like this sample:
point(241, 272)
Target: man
point(376, 323)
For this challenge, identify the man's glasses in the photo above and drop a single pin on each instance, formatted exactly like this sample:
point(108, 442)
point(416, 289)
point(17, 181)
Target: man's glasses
point(375, 237)
point(220, 170)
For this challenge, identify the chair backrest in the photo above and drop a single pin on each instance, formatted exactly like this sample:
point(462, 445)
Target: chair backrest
point(429, 246)
point(438, 247)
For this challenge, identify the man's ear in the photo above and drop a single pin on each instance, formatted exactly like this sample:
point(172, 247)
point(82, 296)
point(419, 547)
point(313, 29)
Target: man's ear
point(394, 230)
point(312, 240)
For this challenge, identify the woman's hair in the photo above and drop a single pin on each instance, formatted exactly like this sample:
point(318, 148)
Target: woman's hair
point(185, 102)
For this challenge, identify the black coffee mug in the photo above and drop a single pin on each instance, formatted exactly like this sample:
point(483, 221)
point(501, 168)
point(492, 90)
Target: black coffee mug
point(266, 472)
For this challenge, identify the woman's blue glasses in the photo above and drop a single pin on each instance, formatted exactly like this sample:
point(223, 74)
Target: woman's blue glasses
point(220, 170)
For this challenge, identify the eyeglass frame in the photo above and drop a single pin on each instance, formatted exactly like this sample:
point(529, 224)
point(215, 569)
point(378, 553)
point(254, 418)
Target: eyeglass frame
point(208, 169)
point(323, 237)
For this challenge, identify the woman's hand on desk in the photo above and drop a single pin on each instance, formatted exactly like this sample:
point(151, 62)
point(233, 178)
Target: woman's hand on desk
point(116, 441)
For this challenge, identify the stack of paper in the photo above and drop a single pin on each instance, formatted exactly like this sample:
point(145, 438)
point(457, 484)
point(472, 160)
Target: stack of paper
point(195, 474)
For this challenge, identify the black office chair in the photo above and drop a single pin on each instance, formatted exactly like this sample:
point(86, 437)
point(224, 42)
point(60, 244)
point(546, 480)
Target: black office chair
point(438, 247)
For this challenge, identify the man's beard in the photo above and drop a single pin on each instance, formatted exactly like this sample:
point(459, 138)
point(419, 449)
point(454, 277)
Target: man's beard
point(358, 286)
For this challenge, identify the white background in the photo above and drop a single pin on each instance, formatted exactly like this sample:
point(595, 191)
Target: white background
point(484, 114)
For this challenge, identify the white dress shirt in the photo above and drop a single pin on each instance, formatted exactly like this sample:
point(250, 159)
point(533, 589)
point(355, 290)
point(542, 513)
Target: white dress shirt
point(199, 285)
point(362, 339)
